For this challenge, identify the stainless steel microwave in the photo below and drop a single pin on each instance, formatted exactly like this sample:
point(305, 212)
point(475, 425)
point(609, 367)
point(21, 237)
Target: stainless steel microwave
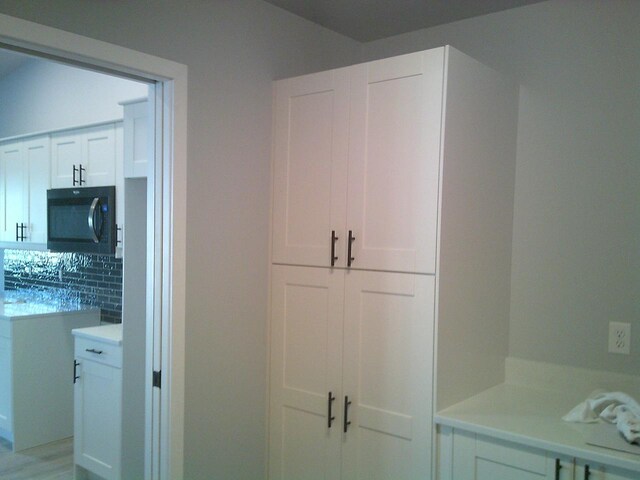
point(82, 219)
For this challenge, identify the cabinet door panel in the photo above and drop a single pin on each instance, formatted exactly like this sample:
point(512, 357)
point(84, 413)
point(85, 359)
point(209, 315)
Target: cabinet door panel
point(310, 167)
point(394, 156)
point(97, 414)
point(388, 368)
point(66, 151)
point(602, 472)
point(306, 339)
point(99, 155)
point(37, 158)
point(14, 188)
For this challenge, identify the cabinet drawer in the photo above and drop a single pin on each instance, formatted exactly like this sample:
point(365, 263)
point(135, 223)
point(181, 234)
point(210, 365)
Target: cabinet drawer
point(505, 453)
point(99, 352)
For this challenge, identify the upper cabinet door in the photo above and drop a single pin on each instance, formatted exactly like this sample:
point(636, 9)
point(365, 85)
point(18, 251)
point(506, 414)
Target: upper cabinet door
point(66, 153)
point(99, 155)
point(84, 158)
point(13, 178)
point(310, 168)
point(37, 158)
point(394, 157)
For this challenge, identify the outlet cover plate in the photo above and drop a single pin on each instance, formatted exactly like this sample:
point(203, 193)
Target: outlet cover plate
point(620, 338)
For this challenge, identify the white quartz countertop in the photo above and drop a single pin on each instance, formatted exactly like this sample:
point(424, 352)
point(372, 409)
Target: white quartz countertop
point(16, 305)
point(111, 334)
point(533, 417)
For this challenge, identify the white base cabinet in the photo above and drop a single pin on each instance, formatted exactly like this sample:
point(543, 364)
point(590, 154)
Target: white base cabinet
point(97, 447)
point(36, 361)
point(478, 457)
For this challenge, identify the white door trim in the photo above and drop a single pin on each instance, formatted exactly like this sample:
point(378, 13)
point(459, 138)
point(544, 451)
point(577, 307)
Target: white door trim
point(169, 287)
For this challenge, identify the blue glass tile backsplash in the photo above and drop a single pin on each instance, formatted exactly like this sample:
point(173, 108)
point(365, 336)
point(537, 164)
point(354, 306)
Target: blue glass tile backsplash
point(91, 279)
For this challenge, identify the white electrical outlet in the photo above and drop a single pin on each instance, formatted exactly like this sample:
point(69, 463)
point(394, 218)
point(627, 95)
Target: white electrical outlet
point(619, 337)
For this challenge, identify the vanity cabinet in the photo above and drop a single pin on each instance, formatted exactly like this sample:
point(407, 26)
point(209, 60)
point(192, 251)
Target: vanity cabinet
point(389, 178)
point(97, 443)
point(24, 170)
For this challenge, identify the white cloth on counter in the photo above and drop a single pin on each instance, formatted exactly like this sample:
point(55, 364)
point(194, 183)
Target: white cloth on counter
point(613, 407)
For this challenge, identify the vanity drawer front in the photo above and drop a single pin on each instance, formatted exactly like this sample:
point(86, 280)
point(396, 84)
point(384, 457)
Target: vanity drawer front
point(97, 351)
point(5, 328)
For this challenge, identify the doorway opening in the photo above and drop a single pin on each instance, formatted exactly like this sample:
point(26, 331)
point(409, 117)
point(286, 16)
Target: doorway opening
point(161, 200)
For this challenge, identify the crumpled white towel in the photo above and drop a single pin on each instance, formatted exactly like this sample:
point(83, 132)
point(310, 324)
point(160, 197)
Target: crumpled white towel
point(613, 407)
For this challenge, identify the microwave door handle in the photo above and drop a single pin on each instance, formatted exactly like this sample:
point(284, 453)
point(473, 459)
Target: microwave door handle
point(91, 217)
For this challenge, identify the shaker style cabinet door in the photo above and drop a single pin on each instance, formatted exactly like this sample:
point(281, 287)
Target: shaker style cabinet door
point(37, 159)
point(306, 362)
point(13, 178)
point(387, 376)
point(310, 168)
point(394, 156)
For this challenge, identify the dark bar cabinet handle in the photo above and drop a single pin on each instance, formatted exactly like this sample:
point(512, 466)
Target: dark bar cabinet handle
point(80, 170)
point(350, 259)
point(75, 371)
point(330, 418)
point(334, 239)
point(558, 468)
point(587, 472)
point(93, 350)
point(17, 235)
point(347, 422)
point(74, 175)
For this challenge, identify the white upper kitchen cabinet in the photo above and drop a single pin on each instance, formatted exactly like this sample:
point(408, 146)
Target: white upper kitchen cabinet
point(137, 141)
point(25, 180)
point(84, 157)
point(310, 168)
point(381, 123)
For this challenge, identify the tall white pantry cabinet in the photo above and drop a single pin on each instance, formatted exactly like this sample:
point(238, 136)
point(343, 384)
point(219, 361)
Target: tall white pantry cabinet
point(391, 237)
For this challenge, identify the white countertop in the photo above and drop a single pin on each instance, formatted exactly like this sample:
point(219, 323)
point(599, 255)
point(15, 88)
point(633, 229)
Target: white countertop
point(532, 417)
point(16, 305)
point(111, 333)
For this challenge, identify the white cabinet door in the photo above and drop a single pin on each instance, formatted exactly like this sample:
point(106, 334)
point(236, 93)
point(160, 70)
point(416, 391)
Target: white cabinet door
point(136, 140)
point(14, 208)
point(394, 156)
point(84, 157)
point(97, 418)
point(5, 384)
point(310, 168)
point(37, 159)
point(483, 458)
point(99, 155)
point(306, 342)
point(66, 156)
point(388, 372)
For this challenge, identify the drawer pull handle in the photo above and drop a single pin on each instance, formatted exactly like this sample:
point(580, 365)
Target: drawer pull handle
point(93, 350)
point(587, 472)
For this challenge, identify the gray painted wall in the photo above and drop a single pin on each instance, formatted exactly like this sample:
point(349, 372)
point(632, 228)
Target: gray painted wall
point(41, 96)
point(233, 49)
point(576, 239)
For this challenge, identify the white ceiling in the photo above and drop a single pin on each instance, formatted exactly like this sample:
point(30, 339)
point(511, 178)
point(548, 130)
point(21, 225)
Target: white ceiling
point(367, 20)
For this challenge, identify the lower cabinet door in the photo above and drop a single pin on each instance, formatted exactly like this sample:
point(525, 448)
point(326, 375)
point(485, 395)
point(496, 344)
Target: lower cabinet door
point(387, 376)
point(586, 470)
point(484, 458)
point(97, 426)
point(6, 426)
point(306, 343)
